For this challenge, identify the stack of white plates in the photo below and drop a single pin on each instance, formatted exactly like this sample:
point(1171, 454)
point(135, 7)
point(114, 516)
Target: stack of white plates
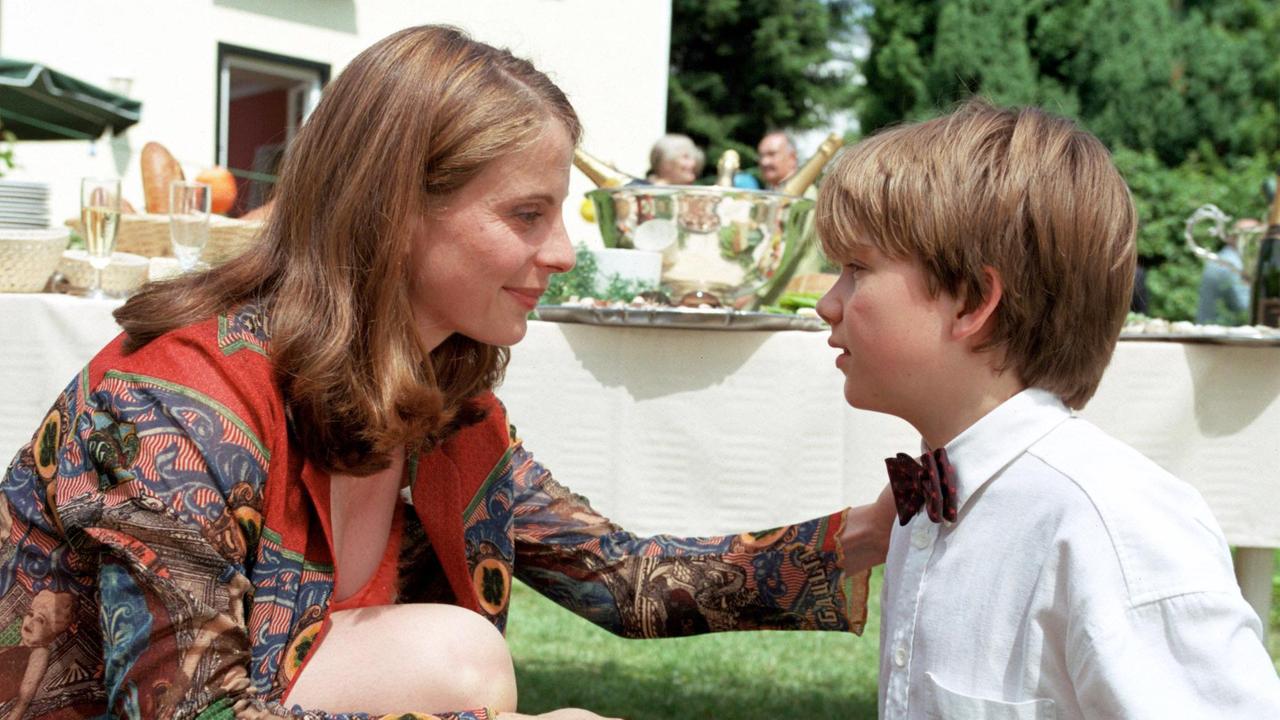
point(24, 204)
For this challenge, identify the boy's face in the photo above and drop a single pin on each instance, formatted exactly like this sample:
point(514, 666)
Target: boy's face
point(893, 335)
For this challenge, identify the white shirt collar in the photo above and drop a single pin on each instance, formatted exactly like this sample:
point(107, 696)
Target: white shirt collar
point(1000, 436)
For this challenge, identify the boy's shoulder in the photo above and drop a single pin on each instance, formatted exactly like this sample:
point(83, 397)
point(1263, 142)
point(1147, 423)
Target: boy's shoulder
point(1160, 529)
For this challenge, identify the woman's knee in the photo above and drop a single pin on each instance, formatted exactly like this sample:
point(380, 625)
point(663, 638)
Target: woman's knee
point(426, 658)
point(478, 656)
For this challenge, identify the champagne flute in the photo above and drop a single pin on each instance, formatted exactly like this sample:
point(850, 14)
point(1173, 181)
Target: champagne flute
point(189, 204)
point(100, 216)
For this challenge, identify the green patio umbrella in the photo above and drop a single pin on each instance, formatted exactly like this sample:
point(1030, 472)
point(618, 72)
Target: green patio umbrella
point(37, 103)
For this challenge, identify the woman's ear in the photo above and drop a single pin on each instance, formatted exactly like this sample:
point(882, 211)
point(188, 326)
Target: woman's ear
point(971, 322)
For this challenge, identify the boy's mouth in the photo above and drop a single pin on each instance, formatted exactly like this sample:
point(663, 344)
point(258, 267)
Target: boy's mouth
point(844, 353)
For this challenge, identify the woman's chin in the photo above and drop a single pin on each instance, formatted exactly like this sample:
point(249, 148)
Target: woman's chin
point(505, 336)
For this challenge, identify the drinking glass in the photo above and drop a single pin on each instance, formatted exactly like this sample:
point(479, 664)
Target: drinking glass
point(100, 216)
point(189, 204)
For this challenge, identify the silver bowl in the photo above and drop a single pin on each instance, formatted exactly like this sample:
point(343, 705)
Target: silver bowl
point(735, 244)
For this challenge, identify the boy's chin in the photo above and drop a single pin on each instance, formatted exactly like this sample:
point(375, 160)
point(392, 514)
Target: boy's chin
point(859, 399)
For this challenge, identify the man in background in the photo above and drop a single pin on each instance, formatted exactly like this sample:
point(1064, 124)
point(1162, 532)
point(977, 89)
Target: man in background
point(777, 158)
point(778, 162)
point(1224, 294)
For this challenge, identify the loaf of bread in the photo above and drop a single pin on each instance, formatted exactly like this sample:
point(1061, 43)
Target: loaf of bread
point(158, 170)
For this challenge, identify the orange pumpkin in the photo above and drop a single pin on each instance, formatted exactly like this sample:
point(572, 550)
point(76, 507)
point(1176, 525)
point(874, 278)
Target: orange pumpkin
point(223, 188)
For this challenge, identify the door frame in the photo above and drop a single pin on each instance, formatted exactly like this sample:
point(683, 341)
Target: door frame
point(316, 74)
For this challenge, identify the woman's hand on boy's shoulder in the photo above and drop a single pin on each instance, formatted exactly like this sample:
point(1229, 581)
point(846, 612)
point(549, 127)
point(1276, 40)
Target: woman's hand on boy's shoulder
point(865, 539)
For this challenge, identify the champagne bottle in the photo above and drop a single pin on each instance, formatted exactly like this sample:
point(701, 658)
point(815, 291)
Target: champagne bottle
point(808, 173)
point(727, 168)
point(601, 173)
point(1266, 280)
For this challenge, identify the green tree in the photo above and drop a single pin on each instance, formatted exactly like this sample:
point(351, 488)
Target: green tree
point(1185, 92)
point(1126, 68)
point(982, 46)
point(742, 67)
point(1181, 78)
point(896, 71)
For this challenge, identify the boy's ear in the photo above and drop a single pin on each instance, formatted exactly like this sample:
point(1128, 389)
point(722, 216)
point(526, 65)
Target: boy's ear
point(971, 322)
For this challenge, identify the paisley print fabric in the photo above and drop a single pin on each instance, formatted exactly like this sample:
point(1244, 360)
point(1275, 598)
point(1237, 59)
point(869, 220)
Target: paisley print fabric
point(158, 553)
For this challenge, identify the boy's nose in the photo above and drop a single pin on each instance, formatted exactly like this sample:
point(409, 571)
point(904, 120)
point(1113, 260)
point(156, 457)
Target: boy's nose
point(829, 307)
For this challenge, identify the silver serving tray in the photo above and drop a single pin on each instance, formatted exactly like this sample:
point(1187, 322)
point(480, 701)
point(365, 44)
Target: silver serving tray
point(1241, 336)
point(692, 318)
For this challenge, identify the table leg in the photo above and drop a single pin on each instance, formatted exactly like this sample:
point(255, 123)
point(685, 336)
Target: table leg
point(1254, 567)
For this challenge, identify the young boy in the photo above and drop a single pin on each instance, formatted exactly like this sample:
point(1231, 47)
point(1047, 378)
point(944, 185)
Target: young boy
point(1042, 569)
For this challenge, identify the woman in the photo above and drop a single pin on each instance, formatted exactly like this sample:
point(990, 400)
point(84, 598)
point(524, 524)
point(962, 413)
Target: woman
point(289, 484)
point(675, 160)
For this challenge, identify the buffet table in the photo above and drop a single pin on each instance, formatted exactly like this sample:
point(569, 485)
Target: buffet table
point(702, 431)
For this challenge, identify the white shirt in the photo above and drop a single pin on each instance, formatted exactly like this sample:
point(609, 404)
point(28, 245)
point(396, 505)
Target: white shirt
point(1080, 580)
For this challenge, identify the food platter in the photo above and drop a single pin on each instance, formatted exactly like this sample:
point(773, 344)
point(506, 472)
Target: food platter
point(705, 318)
point(677, 317)
point(1209, 335)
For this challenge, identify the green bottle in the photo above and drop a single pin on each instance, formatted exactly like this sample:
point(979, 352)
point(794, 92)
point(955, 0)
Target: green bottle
point(1266, 280)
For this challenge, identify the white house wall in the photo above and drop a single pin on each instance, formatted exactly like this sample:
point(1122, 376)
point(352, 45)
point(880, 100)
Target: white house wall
point(610, 57)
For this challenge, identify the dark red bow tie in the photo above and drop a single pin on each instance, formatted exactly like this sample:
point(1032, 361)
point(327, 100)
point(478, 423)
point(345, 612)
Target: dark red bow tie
point(929, 483)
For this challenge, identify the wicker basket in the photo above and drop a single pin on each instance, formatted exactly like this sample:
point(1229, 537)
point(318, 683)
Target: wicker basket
point(126, 273)
point(29, 257)
point(147, 234)
point(228, 238)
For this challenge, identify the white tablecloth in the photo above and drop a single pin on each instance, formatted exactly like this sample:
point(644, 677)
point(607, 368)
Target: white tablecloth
point(698, 431)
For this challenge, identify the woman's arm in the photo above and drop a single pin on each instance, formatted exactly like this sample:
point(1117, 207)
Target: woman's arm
point(792, 577)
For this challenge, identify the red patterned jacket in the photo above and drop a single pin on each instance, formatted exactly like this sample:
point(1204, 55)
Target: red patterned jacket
point(161, 556)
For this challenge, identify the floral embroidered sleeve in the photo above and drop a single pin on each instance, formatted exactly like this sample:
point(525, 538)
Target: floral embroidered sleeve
point(124, 532)
point(787, 578)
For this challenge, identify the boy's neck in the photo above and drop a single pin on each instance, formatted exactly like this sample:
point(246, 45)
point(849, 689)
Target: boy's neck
point(963, 404)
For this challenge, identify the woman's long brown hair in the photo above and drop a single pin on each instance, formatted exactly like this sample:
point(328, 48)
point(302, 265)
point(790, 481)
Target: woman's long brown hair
point(408, 122)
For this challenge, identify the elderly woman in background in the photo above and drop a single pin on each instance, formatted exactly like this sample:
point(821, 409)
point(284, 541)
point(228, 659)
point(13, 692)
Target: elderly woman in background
point(675, 160)
point(288, 488)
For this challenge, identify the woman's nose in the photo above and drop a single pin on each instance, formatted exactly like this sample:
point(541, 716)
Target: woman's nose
point(557, 254)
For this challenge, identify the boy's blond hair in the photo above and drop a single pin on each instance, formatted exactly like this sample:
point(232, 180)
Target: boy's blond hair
point(1019, 190)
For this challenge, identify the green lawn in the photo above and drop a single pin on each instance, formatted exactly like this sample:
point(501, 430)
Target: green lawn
point(563, 661)
point(1273, 633)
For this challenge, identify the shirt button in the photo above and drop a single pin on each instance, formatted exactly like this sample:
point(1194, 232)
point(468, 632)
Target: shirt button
point(920, 539)
point(900, 656)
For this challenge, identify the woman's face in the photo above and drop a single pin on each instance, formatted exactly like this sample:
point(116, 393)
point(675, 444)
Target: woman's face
point(679, 168)
point(483, 257)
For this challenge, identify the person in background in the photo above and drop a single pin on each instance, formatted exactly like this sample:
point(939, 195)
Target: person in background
point(778, 162)
point(289, 490)
point(1140, 301)
point(1224, 294)
point(1041, 568)
point(778, 158)
point(675, 160)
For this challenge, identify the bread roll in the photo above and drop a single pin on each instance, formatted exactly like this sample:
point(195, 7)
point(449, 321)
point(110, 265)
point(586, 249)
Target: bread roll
point(158, 170)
